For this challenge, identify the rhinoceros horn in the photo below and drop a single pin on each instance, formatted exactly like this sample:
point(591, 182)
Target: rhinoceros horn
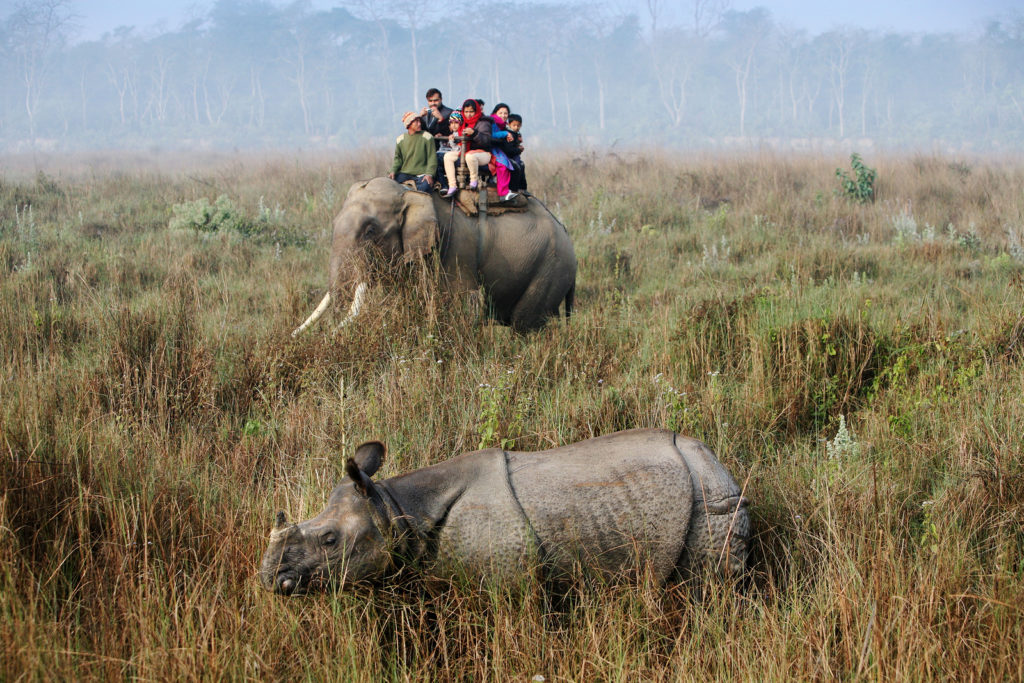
point(281, 527)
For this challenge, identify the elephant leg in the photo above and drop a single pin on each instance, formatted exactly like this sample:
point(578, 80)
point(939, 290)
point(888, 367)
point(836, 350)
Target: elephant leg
point(467, 295)
point(570, 300)
point(474, 304)
point(538, 303)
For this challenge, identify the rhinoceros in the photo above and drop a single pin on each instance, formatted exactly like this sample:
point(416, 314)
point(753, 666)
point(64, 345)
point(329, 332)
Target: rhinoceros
point(641, 498)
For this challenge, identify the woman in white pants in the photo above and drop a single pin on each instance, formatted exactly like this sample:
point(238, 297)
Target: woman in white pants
point(476, 128)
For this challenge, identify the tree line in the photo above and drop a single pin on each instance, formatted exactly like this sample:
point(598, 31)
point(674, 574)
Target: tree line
point(251, 73)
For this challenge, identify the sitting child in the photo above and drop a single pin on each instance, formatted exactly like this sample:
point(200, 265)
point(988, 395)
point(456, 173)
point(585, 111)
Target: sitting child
point(514, 150)
point(502, 165)
point(454, 122)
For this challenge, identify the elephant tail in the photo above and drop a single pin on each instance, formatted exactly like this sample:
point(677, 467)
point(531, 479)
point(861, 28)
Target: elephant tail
point(570, 299)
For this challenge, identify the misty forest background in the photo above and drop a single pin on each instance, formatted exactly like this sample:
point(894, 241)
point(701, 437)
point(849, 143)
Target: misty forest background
point(255, 74)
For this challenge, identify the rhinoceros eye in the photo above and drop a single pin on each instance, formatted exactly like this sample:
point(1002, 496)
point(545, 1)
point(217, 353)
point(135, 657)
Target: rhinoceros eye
point(328, 539)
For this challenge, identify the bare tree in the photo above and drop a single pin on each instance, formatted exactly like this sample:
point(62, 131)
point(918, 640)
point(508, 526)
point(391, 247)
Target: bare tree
point(670, 66)
point(36, 30)
point(300, 74)
point(158, 93)
point(704, 15)
point(121, 72)
point(841, 46)
point(655, 8)
point(258, 105)
point(674, 55)
point(370, 10)
point(707, 14)
point(546, 32)
point(747, 32)
point(601, 29)
point(867, 84)
point(413, 12)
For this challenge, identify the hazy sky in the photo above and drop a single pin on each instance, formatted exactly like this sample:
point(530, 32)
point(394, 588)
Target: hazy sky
point(99, 16)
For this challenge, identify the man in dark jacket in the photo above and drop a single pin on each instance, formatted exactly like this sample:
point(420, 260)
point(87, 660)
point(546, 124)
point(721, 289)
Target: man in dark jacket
point(435, 114)
point(435, 121)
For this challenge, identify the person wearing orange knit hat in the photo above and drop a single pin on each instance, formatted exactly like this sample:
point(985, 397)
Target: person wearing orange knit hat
point(415, 157)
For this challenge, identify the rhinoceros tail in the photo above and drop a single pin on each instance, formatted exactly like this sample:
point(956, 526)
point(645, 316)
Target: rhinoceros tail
point(718, 537)
point(732, 559)
point(720, 524)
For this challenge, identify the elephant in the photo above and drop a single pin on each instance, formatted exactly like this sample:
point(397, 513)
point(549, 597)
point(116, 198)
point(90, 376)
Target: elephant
point(524, 261)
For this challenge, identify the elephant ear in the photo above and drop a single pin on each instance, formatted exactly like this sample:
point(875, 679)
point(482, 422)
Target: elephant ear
point(419, 225)
point(355, 187)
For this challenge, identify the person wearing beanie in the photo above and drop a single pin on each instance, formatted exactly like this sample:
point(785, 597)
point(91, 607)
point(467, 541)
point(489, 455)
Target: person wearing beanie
point(415, 157)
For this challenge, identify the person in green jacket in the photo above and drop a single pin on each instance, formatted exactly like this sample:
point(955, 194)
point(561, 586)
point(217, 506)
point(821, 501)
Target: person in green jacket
point(415, 157)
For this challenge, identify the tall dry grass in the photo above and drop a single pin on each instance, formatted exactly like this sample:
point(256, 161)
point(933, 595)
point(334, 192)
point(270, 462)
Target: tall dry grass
point(154, 413)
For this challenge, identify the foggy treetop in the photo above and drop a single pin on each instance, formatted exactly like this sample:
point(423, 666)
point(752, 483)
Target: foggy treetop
point(254, 74)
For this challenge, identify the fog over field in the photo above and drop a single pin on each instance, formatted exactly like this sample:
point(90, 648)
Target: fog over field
point(698, 73)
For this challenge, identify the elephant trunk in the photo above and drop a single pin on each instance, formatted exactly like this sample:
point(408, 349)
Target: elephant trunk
point(325, 303)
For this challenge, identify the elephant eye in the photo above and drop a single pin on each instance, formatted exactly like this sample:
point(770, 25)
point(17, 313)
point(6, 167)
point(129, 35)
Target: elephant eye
point(370, 230)
point(328, 539)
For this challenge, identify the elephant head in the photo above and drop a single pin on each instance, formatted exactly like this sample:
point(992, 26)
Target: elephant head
point(381, 223)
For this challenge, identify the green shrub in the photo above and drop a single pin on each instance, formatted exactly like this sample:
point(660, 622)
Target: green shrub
point(860, 188)
point(202, 217)
point(267, 228)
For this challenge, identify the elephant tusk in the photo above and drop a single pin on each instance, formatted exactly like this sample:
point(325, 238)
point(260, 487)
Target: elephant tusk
point(357, 304)
point(324, 303)
point(353, 311)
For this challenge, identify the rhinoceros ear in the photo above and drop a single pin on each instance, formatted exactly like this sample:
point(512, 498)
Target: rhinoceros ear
point(280, 520)
point(368, 456)
point(358, 477)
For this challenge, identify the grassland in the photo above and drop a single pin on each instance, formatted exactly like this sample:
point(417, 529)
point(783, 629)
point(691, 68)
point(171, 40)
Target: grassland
point(861, 367)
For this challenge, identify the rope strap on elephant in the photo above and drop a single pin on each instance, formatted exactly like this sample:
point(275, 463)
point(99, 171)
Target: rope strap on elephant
point(481, 230)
